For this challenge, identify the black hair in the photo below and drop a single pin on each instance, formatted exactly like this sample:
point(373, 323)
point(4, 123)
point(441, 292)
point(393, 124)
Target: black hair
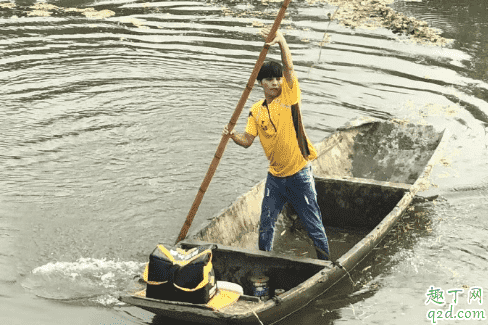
point(270, 69)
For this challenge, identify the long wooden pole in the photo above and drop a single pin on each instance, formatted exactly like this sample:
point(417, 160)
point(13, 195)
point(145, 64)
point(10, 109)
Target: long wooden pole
point(232, 123)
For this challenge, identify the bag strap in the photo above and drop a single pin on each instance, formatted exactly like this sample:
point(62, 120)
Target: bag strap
point(168, 255)
point(300, 131)
point(145, 277)
point(206, 279)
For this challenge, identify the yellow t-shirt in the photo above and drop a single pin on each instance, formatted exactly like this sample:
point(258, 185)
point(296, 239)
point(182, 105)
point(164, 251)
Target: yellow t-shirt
point(277, 135)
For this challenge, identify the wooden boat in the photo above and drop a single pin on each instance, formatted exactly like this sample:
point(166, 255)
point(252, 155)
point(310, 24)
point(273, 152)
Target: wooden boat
point(366, 176)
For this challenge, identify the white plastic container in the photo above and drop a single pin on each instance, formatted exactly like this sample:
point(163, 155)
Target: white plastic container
point(230, 286)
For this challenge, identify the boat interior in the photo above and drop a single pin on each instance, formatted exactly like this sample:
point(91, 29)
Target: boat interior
point(238, 266)
point(361, 174)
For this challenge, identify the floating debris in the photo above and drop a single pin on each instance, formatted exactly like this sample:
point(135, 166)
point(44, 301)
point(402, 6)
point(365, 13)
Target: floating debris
point(376, 13)
point(94, 14)
point(366, 14)
point(43, 9)
point(39, 13)
point(8, 5)
point(135, 22)
point(257, 24)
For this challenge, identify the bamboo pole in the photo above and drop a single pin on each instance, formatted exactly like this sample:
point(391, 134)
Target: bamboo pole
point(237, 112)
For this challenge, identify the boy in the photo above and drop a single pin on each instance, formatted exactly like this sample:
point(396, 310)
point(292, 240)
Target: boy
point(277, 122)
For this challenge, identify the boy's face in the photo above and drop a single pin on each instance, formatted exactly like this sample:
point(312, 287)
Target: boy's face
point(272, 86)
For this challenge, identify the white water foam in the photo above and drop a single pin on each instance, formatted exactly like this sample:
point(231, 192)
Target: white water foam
point(93, 280)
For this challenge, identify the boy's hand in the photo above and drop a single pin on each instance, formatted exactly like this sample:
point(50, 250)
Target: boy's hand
point(243, 139)
point(225, 131)
point(288, 70)
point(278, 36)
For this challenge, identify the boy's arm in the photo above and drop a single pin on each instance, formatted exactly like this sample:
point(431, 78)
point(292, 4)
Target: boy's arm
point(243, 139)
point(286, 59)
point(288, 70)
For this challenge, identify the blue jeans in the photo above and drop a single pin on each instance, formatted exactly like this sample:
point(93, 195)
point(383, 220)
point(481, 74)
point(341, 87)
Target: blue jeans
point(299, 191)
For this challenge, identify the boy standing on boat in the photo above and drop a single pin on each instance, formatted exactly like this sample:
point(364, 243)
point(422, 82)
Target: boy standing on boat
point(277, 122)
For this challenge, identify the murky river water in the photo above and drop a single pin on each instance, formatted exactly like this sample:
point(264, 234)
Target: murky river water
point(108, 126)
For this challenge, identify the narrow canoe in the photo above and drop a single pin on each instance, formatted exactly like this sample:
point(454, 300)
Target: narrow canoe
point(366, 176)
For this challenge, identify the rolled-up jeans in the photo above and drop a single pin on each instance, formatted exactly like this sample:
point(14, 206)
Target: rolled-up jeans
point(299, 191)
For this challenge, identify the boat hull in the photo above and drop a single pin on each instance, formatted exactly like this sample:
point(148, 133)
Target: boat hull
point(366, 176)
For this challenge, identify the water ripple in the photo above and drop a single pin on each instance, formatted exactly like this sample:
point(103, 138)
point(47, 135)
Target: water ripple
point(108, 125)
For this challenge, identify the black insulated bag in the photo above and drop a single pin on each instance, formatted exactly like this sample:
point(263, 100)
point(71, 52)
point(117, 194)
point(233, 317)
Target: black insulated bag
point(180, 275)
